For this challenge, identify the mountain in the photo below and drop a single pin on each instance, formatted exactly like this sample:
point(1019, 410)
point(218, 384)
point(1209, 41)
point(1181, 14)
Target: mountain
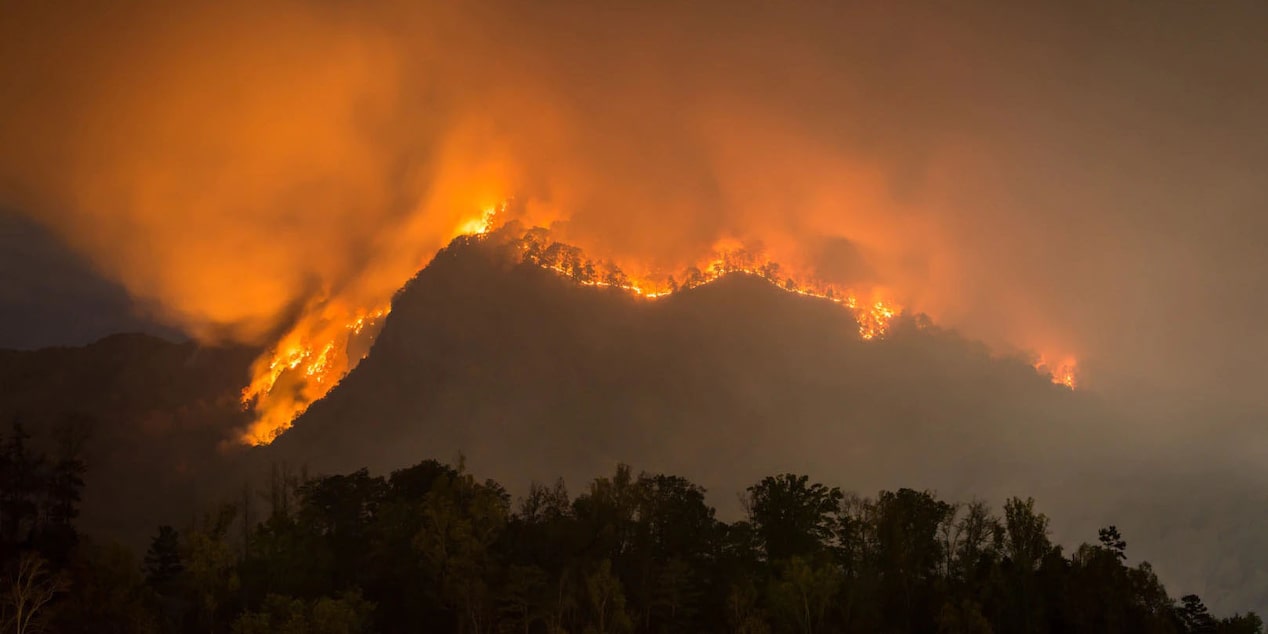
point(149, 414)
point(528, 375)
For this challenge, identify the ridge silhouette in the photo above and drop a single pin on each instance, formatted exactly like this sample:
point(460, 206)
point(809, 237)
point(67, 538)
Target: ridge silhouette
point(533, 377)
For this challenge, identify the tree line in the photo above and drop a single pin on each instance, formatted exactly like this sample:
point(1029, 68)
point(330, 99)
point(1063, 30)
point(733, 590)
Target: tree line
point(431, 548)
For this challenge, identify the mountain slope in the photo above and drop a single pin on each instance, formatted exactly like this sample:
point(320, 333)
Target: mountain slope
point(530, 376)
point(150, 416)
point(527, 373)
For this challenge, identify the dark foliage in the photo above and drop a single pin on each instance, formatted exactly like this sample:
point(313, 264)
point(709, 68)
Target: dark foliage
point(432, 548)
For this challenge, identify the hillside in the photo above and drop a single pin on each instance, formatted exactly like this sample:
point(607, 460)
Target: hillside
point(532, 377)
point(526, 373)
point(149, 414)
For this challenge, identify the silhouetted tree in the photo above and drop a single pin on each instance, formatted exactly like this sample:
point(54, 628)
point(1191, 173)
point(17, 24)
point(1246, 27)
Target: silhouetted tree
point(908, 550)
point(22, 480)
point(1112, 541)
point(1249, 623)
point(461, 520)
point(792, 516)
point(431, 548)
point(163, 559)
point(1193, 613)
point(56, 536)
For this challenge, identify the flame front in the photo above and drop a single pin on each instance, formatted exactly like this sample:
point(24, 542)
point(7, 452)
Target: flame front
point(331, 339)
point(873, 314)
point(1064, 372)
point(304, 366)
point(326, 343)
point(283, 203)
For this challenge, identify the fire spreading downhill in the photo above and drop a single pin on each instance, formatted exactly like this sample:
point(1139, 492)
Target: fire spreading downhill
point(330, 340)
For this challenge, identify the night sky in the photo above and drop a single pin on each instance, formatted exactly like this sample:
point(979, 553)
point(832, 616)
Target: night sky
point(49, 296)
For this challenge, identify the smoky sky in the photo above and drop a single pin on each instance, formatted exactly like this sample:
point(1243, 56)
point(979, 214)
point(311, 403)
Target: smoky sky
point(1080, 177)
point(51, 297)
point(1085, 177)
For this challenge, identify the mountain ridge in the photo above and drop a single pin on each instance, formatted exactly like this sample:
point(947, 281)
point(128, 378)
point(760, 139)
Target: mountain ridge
point(531, 376)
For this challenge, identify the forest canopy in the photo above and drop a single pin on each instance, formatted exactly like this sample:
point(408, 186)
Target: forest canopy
point(432, 547)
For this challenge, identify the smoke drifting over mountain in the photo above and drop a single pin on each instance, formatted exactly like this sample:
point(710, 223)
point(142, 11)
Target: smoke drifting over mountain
point(1029, 176)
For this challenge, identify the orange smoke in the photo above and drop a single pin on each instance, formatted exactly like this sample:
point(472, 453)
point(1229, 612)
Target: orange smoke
point(313, 356)
point(330, 338)
point(327, 340)
point(323, 347)
point(272, 172)
point(729, 256)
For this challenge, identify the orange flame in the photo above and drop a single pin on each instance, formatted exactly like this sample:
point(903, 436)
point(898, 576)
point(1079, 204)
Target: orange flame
point(323, 346)
point(321, 349)
point(873, 315)
point(1064, 372)
point(303, 367)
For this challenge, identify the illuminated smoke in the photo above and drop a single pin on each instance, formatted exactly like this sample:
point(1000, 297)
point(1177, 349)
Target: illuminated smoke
point(311, 359)
point(272, 172)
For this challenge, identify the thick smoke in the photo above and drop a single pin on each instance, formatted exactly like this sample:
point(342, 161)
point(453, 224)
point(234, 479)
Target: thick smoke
point(1071, 179)
point(229, 164)
point(1078, 178)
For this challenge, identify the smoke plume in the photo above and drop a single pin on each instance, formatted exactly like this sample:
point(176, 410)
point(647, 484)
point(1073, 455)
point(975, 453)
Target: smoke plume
point(271, 172)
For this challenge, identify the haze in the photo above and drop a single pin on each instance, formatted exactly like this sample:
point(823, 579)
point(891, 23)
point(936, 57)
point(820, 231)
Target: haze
point(1081, 179)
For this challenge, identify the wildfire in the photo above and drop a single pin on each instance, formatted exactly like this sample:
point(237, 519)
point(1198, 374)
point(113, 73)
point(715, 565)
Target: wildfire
point(304, 366)
point(482, 225)
point(330, 341)
point(324, 345)
point(873, 315)
point(1062, 373)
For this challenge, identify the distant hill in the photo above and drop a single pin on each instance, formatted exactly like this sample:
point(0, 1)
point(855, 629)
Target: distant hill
point(150, 414)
